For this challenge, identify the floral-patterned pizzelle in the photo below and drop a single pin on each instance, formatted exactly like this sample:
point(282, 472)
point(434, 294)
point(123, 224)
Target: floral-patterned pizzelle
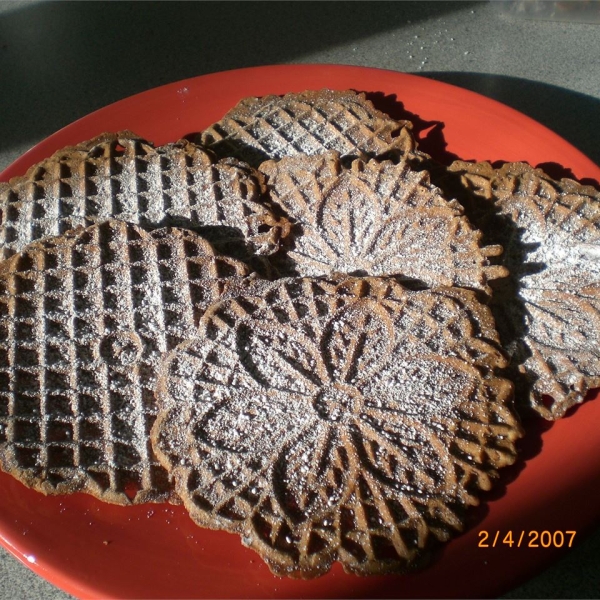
point(344, 420)
point(85, 319)
point(309, 123)
point(374, 219)
point(548, 311)
point(124, 177)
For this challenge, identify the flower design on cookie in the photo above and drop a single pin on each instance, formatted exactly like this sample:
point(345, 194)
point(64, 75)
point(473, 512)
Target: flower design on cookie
point(344, 420)
point(121, 348)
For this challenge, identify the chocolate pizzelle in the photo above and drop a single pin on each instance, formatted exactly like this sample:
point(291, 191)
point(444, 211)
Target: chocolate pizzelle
point(547, 311)
point(308, 123)
point(344, 420)
point(85, 319)
point(374, 219)
point(124, 177)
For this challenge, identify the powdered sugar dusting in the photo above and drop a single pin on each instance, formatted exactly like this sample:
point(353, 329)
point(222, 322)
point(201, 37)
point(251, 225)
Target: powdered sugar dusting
point(309, 123)
point(286, 400)
point(86, 319)
point(548, 312)
point(373, 219)
point(124, 177)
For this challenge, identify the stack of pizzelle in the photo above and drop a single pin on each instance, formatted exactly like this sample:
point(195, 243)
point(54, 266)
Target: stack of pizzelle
point(285, 326)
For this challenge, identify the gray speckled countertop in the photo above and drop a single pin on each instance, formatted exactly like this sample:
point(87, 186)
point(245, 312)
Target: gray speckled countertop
point(60, 61)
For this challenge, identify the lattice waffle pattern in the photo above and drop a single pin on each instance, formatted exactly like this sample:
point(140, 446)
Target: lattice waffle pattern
point(85, 319)
point(311, 122)
point(549, 310)
point(374, 219)
point(344, 420)
point(122, 176)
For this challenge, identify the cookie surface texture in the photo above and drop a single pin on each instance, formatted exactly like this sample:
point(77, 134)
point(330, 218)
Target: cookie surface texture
point(310, 123)
point(548, 310)
point(85, 319)
point(374, 219)
point(124, 177)
point(348, 420)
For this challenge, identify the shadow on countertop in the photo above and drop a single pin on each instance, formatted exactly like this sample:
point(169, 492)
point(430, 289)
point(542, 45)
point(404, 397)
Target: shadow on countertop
point(62, 60)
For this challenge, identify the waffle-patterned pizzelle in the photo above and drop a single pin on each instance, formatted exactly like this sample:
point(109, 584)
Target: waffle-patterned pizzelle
point(310, 123)
point(548, 311)
point(344, 420)
point(374, 218)
point(85, 319)
point(122, 176)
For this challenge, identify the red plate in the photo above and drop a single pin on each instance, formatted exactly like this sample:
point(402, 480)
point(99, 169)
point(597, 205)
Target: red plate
point(91, 549)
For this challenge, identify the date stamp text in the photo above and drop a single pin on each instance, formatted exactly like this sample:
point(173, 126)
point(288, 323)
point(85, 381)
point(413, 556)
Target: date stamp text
point(526, 539)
